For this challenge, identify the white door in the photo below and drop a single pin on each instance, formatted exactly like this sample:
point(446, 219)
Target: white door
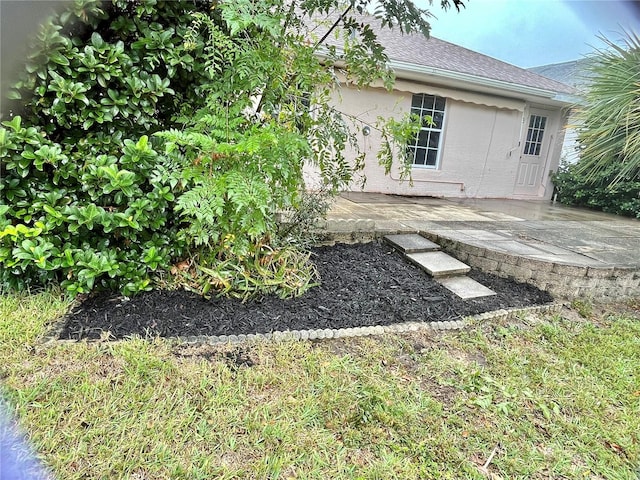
point(533, 156)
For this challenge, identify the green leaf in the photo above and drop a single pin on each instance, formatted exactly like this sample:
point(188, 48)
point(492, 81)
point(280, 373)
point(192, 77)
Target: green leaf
point(14, 124)
point(142, 143)
point(59, 59)
point(97, 41)
point(14, 95)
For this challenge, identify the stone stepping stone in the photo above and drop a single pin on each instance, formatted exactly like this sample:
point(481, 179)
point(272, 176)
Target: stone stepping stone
point(438, 264)
point(465, 287)
point(411, 243)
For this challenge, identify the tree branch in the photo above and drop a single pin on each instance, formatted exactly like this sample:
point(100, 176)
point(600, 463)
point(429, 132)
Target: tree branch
point(333, 27)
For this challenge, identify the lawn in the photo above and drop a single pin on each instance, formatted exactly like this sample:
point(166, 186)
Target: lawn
point(535, 397)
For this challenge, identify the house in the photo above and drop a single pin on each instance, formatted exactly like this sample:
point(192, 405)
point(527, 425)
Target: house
point(575, 74)
point(498, 128)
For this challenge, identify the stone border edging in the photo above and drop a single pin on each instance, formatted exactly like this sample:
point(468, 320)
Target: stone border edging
point(318, 334)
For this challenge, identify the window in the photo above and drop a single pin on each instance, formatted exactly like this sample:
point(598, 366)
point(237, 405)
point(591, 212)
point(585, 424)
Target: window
point(426, 146)
point(534, 135)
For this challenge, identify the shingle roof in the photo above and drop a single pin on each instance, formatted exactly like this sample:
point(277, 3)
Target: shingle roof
point(572, 73)
point(416, 49)
point(432, 52)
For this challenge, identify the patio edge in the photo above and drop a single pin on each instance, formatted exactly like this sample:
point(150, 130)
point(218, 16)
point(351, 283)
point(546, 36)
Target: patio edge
point(561, 280)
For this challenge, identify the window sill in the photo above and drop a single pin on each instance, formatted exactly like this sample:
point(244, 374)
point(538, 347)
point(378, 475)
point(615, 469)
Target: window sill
point(424, 167)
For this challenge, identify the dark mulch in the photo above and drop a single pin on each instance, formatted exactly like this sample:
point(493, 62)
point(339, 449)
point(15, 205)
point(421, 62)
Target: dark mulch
point(362, 285)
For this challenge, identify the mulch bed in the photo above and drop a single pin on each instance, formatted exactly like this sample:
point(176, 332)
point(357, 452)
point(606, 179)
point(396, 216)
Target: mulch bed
point(362, 285)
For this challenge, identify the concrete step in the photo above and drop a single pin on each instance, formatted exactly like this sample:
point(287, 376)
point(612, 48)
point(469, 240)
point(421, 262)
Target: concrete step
point(466, 287)
point(411, 243)
point(438, 264)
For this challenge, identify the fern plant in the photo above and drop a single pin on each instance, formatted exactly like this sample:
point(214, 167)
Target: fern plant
point(267, 111)
point(229, 212)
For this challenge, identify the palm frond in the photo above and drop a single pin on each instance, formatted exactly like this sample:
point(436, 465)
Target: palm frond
point(610, 121)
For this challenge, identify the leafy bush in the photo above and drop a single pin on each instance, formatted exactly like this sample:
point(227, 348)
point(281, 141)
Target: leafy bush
point(165, 136)
point(105, 222)
point(230, 211)
point(597, 191)
point(101, 69)
point(607, 176)
point(87, 200)
point(266, 112)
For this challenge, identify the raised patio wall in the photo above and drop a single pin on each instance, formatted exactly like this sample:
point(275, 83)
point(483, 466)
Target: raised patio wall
point(560, 280)
point(564, 282)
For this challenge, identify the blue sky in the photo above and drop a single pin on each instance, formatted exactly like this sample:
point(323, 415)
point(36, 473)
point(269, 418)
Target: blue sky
point(529, 33)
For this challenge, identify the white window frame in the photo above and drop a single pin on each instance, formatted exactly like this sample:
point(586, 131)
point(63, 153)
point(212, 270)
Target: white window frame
point(429, 108)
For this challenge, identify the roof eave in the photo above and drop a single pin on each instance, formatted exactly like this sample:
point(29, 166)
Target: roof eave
point(411, 71)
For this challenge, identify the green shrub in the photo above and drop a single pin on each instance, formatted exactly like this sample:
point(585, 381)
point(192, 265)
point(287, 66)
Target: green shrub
point(106, 222)
point(101, 69)
point(598, 190)
point(86, 199)
point(230, 211)
point(607, 176)
point(89, 201)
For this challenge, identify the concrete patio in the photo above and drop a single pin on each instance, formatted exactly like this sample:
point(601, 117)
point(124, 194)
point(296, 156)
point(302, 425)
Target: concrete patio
point(567, 251)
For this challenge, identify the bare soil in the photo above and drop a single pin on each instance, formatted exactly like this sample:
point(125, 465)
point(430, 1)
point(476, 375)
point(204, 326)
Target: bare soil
point(361, 285)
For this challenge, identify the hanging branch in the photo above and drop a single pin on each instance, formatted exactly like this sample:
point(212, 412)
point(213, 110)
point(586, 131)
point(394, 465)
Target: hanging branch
point(333, 27)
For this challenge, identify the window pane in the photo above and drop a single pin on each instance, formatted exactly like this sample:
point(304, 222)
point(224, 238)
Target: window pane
point(420, 154)
point(432, 157)
point(535, 135)
point(440, 104)
point(423, 138)
point(437, 119)
point(434, 139)
point(416, 102)
point(428, 102)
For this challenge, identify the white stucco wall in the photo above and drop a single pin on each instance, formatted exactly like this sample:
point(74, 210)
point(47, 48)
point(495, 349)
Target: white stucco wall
point(480, 149)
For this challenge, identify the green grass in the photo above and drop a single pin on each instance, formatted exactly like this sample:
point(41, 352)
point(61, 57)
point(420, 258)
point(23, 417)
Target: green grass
point(552, 397)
